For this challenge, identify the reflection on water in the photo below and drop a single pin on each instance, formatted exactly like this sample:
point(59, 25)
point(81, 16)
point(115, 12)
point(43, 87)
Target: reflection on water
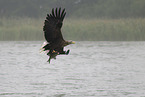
point(92, 69)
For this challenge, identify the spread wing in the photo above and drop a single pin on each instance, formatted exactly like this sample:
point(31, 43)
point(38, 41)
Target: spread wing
point(52, 26)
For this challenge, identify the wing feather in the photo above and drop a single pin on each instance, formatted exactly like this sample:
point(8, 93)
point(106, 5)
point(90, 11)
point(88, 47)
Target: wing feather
point(56, 12)
point(53, 24)
point(59, 12)
point(63, 14)
point(53, 12)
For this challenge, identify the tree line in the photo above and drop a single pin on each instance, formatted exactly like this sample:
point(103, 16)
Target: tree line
point(75, 8)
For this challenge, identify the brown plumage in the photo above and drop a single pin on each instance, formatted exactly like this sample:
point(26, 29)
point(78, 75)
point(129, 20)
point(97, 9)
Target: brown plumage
point(52, 32)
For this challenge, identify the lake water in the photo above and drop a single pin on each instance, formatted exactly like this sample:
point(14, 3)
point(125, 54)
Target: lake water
point(92, 69)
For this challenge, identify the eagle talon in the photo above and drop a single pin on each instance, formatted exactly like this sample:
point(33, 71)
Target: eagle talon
point(67, 52)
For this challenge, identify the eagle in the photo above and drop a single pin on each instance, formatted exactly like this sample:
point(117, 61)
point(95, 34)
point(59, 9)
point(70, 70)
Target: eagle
point(55, 42)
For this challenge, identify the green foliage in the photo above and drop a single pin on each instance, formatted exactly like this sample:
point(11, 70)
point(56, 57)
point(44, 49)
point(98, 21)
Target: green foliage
point(118, 20)
point(106, 29)
point(76, 29)
point(21, 29)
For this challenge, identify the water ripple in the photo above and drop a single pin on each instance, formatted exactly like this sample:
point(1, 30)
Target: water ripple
point(92, 69)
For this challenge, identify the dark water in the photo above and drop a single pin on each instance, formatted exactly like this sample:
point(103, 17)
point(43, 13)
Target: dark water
point(92, 69)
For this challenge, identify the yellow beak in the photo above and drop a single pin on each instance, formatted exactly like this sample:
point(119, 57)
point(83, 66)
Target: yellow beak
point(73, 42)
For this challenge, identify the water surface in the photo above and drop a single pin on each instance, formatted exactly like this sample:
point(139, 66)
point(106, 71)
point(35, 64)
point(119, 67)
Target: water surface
point(92, 69)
